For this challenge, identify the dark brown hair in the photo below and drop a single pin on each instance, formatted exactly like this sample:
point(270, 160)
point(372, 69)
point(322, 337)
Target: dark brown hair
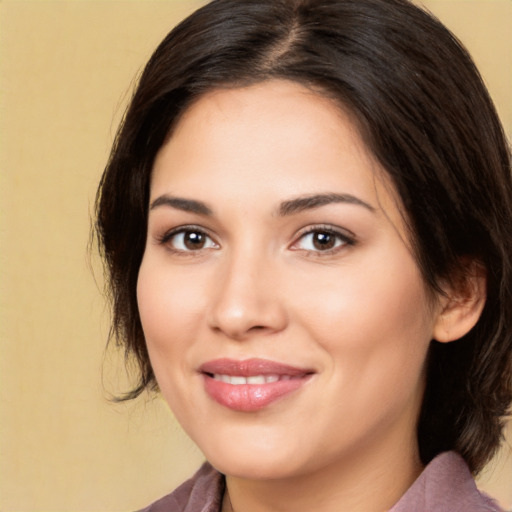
point(424, 112)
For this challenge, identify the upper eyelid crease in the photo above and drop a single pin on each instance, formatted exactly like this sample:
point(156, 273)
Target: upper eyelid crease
point(335, 230)
point(181, 229)
point(346, 236)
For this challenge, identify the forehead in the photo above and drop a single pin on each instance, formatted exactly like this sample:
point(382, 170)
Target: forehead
point(270, 118)
point(265, 141)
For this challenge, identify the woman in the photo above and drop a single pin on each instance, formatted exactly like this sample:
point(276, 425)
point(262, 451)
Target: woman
point(306, 220)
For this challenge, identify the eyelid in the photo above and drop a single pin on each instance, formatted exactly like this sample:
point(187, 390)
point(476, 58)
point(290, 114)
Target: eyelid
point(164, 238)
point(346, 236)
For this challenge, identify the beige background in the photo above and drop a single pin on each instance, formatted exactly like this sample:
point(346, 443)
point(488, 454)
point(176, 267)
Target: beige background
point(66, 69)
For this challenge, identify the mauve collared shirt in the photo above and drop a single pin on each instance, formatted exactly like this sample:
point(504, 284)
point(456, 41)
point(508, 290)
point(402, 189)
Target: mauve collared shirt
point(445, 485)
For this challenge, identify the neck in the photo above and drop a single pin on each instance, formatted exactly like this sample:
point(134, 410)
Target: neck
point(366, 481)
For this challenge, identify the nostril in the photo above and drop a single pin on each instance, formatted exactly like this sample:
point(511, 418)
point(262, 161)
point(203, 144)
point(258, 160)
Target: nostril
point(238, 317)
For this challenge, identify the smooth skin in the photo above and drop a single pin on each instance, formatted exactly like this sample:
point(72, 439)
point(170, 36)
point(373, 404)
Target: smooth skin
point(273, 233)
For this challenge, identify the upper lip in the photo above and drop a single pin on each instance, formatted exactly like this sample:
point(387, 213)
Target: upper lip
point(251, 367)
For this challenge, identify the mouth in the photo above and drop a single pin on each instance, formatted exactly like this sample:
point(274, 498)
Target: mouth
point(236, 380)
point(252, 384)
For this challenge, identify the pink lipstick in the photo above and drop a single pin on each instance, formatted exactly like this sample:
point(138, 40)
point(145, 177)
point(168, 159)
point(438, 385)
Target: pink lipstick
point(251, 384)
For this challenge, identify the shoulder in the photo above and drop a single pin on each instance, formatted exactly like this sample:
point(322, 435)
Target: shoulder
point(201, 493)
point(446, 485)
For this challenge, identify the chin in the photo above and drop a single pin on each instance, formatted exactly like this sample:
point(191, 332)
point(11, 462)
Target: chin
point(255, 468)
point(261, 460)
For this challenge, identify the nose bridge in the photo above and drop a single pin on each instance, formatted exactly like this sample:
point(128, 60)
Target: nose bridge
point(246, 301)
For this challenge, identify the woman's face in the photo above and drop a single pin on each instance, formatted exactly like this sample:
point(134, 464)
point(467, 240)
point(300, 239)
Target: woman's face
point(286, 319)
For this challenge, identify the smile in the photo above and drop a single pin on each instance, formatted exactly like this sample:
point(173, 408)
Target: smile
point(237, 380)
point(251, 385)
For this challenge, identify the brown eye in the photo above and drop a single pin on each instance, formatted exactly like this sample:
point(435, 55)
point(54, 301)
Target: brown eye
point(188, 240)
point(323, 240)
point(194, 240)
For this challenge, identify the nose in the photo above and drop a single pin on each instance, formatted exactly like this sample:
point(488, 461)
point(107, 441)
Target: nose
point(246, 300)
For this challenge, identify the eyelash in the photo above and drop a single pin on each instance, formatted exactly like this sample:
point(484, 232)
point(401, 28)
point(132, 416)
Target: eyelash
point(167, 237)
point(342, 239)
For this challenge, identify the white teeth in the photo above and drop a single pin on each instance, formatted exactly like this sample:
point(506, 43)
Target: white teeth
point(256, 379)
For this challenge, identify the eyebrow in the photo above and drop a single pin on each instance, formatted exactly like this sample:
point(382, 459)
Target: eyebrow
point(316, 200)
point(186, 205)
point(286, 208)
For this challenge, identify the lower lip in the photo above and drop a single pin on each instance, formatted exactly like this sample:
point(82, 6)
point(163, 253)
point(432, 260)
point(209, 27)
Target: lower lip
point(250, 397)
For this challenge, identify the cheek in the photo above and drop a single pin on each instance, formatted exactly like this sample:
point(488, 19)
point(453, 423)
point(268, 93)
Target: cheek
point(364, 301)
point(374, 322)
point(169, 306)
